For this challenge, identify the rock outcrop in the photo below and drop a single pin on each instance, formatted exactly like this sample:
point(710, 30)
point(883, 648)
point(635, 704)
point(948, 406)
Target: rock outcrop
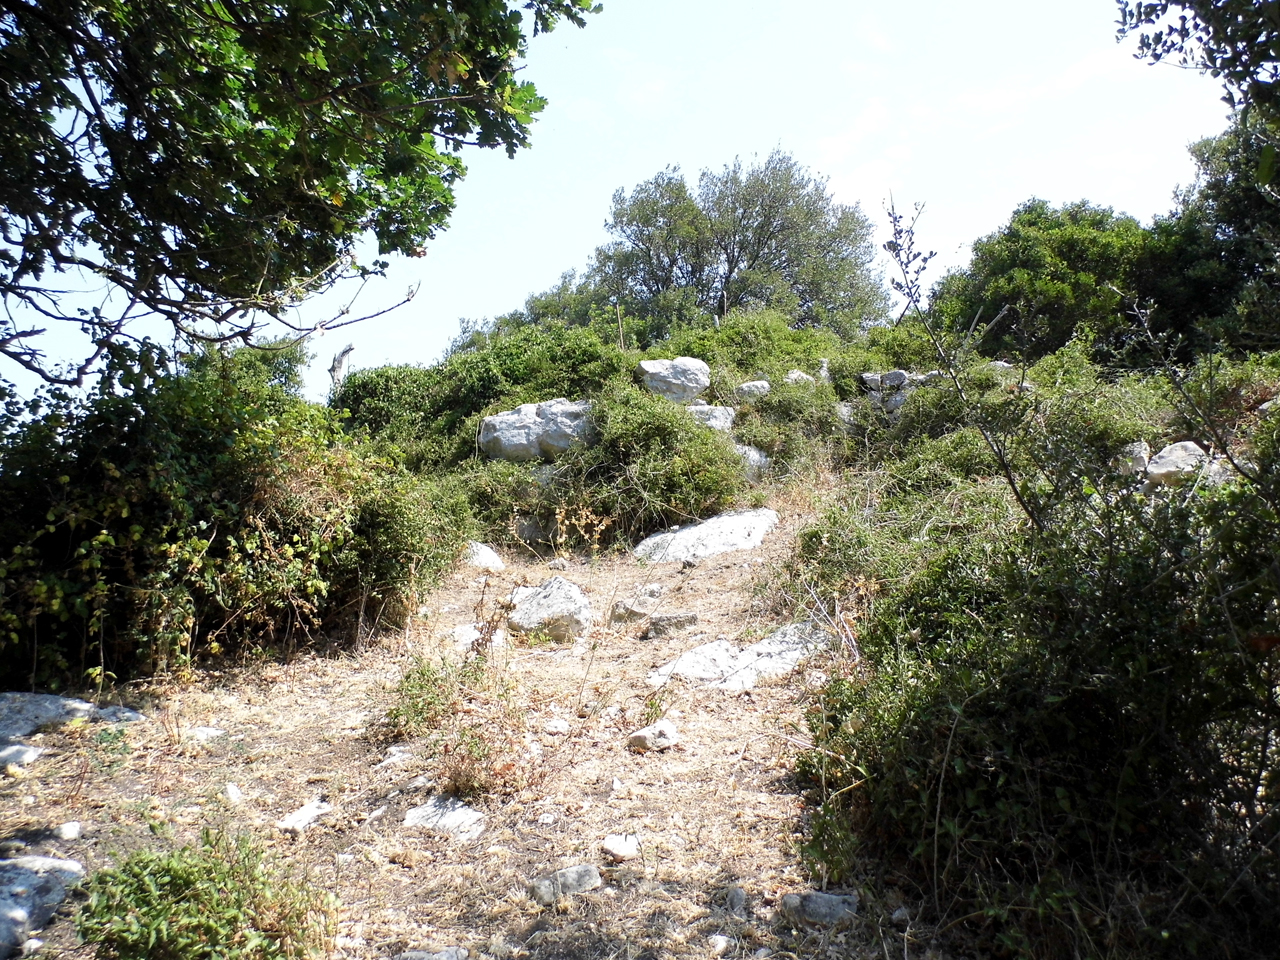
point(679, 380)
point(735, 530)
point(537, 431)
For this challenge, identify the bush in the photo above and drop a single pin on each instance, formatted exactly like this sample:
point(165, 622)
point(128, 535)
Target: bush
point(220, 901)
point(173, 514)
point(1060, 736)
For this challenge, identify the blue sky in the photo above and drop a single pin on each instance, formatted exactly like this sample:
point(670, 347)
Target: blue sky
point(970, 108)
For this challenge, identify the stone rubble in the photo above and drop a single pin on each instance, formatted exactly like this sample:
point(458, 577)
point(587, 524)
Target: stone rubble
point(654, 738)
point(448, 816)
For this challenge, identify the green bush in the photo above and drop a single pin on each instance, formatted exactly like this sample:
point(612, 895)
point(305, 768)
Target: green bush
point(220, 901)
point(1060, 737)
point(168, 515)
point(652, 466)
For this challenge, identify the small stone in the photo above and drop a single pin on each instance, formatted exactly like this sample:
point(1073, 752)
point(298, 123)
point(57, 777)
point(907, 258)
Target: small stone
point(448, 816)
point(719, 944)
point(14, 772)
point(205, 734)
point(1132, 458)
point(735, 901)
point(752, 390)
point(557, 608)
point(298, 821)
point(649, 591)
point(546, 819)
point(669, 624)
point(717, 418)
point(798, 376)
point(820, 909)
point(233, 794)
point(483, 557)
point(119, 714)
point(448, 953)
point(621, 846)
point(657, 736)
point(627, 611)
point(565, 883)
point(19, 754)
point(1176, 462)
point(32, 947)
point(559, 563)
point(556, 727)
point(71, 830)
point(901, 917)
point(1270, 407)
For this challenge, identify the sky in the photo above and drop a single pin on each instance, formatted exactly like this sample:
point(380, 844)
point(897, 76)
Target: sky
point(968, 108)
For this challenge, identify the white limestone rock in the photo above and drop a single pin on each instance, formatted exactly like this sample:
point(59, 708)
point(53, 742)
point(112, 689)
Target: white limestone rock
point(717, 418)
point(655, 737)
point(679, 380)
point(620, 847)
point(557, 608)
point(536, 431)
point(483, 557)
point(24, 713)
point(798, 376)
point(297, 822)
point(721, 665)
point(1175, 463)
point(735, 530)
point(565, 883)
point(819, 909)
point(31, 888)
point(754, 460)
point(752, 390)
point(1132, 458)
point(447, 816)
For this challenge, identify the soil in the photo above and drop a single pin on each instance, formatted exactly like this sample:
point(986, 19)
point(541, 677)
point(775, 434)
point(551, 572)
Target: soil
point(719, 810)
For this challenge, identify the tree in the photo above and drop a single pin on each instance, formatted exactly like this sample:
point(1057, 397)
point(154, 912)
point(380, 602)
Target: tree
point(770, 235)
point(1046, 274)
point(215, 161)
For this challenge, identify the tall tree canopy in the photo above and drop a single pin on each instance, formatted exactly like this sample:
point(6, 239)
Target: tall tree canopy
point(767, 235)
point(216, 160)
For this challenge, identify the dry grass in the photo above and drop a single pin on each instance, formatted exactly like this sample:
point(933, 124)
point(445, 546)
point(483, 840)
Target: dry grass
point(718, 810)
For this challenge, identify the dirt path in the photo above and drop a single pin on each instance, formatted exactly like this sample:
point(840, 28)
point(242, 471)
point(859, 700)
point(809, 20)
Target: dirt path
point(716, 814)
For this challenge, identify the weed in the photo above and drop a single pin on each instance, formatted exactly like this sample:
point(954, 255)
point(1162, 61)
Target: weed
point(219, 901)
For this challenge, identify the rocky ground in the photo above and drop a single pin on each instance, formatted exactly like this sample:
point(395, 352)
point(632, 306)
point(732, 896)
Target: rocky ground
point(697, 846)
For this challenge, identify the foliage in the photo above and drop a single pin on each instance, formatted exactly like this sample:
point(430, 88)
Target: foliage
point(1060, 735)
point(652, 466)
point(432, 413)
point(1053, 271)
point(220, 900)
point(429, 694)
point(1235, 40)
point(212, 160)
point(171, 514)
point(768, 236)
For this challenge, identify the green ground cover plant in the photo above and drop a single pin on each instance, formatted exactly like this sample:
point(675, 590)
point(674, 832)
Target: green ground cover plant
point(222, 900)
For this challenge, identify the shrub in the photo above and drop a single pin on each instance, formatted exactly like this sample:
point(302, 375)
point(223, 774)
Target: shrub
point(1060, 736)
point(220, 901)
point(172, 514)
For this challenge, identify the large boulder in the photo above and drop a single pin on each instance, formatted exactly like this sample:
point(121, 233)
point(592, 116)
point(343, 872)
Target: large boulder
point(679, 380)
point(557, 608)
point(536, 431)
point(735, 530)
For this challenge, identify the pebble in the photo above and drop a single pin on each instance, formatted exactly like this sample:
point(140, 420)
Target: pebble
point(233, 794)
point(298, 821)
point(71, 830)
point(621, 846)
point(205, 734)
point(564, 883)
point(559, 563)
point(32, 947)
point(735, 901)
point(657, 736)
point(819, 909)
point(448, 953)
point(720, 944)
point(901, 917)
